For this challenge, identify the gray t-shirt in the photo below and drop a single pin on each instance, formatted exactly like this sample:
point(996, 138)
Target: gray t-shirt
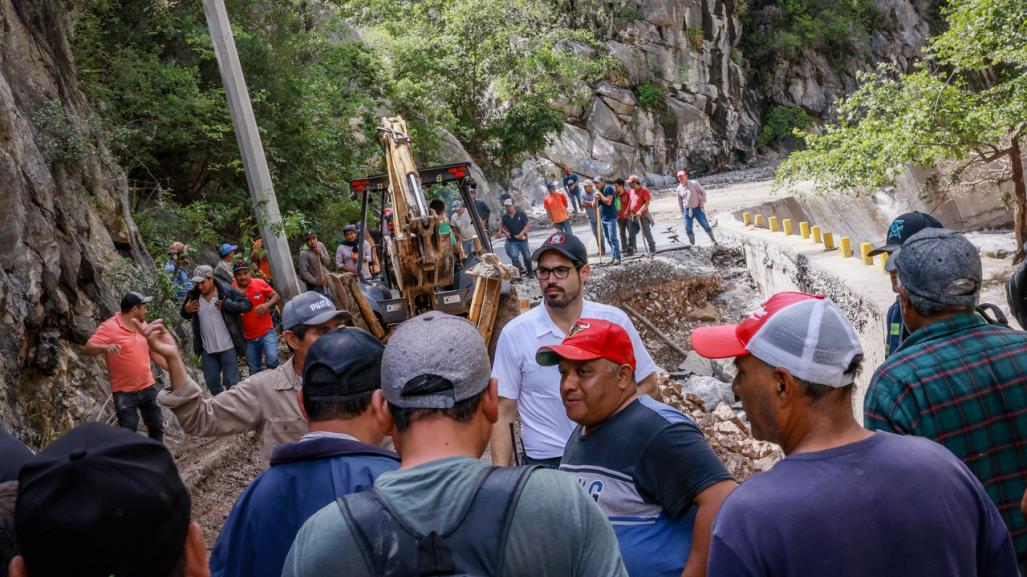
point(557, 530)
point(213, 331)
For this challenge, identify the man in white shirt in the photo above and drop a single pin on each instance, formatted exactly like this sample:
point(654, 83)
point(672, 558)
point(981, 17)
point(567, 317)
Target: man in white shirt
point(532, 392)
point(464, 225)
point(692, 202)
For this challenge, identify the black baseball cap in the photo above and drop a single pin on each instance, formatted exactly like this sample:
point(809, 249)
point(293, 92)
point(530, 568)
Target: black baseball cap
point(101, 501)
point(903, 227)
point(566, 244)
point(133, 299)
point(343, 362)
point(240, 264)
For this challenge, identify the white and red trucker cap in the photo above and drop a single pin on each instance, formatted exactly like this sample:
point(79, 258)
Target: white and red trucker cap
point(807, 335)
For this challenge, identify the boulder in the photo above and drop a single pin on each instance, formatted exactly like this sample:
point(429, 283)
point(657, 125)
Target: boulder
point(695, 364)
point(618, 156)
point(712, 391)
point(603, 122)
point(569, 148)
point(620, 100)
point(664, 12)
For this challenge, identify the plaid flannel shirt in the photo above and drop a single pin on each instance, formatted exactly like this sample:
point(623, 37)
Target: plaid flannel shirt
point(962, 382)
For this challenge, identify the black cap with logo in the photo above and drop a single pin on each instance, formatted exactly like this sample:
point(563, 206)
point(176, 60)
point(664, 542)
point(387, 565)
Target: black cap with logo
point(566, 244)
point(341, 363)
point(134, 299)
point(903, 227)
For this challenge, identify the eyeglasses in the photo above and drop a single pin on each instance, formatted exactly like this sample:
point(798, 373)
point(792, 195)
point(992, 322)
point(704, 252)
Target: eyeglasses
point(559, 272)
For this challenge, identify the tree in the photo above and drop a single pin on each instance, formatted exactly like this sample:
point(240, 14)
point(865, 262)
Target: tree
point(966, 102)
point(485, 70)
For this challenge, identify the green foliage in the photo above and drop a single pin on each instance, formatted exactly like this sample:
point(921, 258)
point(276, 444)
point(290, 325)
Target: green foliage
point(123, 276)
point(966, 101)
point(780, 123)
point(838, 29)
point(455, 61)
point(695, 37)
point(650, 95)
point(58, 137)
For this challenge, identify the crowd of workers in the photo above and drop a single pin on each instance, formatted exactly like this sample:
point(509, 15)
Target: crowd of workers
point(614, 482)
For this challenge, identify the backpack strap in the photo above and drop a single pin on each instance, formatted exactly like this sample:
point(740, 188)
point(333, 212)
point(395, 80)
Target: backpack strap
point(1000, 318)
point(392, 548)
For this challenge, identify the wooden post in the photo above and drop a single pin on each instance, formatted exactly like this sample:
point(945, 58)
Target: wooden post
point(258, 177)
point(365, 309)
point(489, 308)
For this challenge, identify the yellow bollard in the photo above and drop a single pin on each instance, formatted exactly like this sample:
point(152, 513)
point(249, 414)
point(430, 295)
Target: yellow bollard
point(804, 229)
point(747, 218)
point(787, 224)
point(864, 253)
point(758, 221)
point(816, 234)
point(828, 241)
point(846, 247)
point(884, 262)
point(772, 224)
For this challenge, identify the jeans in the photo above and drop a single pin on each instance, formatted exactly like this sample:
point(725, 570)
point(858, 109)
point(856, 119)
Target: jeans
point(610, 236)
point(553, 463)
point(214, 365)
point(468, 246)
point(626, 240)
point(262, 349)
point(697, 214)
point(645, 225)
point(576, 199)
point(519, 247)
point(126, 406)
point(564, 227)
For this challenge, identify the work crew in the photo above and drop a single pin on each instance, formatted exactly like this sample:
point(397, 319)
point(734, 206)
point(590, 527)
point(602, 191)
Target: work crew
point(900, 229)
point(463, 224)
point(514, 227)
point(314, 263)
point(338, 456)
point(606, 198)
point(257, 327)
point(267, 401)
point(627, 240)
point(641, 220)
point(121, 342)
point(439, 404)
point(572, 187)
point(223, 269)
point(177, 268)
point(692, 201)
point(647, 466)
point(532, 392)
point(214, 309)
point(845, 500)
point(347, 254)
point(956, 379)
point(104, 501)
point(555, 204)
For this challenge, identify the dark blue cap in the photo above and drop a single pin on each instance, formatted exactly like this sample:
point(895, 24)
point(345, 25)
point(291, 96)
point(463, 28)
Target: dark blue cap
point(341, 363)
point(566, 244)
point(903, 227)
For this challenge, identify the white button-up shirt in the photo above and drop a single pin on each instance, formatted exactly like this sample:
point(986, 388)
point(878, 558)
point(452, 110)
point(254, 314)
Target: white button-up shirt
point(545, 427)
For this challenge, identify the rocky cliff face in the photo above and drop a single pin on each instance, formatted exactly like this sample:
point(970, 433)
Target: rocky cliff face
point(700, 110)
point(64, 216)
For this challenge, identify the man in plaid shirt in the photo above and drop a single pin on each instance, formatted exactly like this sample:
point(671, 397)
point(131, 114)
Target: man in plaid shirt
point(957, 379)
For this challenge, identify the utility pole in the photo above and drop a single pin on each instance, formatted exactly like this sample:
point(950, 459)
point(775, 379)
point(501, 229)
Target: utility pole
point(258, 177)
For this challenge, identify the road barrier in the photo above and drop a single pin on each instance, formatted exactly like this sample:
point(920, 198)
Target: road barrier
point(747, 218)
point(758, 222)
point(804, 229)
point(772, 223)
point(864, 253)
point(787, 224)
point(846, 247)
point(828, 241)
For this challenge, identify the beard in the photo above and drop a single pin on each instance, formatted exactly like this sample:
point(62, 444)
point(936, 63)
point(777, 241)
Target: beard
point(562, 299)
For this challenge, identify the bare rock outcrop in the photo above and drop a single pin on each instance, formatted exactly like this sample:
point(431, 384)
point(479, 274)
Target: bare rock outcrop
point(65, 216)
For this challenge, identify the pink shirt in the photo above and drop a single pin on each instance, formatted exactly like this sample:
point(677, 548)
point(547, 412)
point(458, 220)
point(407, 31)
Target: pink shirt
point(129, 369)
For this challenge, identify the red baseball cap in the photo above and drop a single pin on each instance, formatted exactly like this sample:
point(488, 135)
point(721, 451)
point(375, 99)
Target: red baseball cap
point(591, 339)
point(725, 341)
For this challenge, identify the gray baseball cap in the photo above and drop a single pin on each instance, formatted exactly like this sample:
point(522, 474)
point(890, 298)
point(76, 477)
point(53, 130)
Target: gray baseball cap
point(202, 272)
point(311, 309)
point(940, 265)
point(434, 361)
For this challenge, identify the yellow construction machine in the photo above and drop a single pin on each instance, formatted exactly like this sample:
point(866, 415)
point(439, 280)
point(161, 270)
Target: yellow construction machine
point(422, 268)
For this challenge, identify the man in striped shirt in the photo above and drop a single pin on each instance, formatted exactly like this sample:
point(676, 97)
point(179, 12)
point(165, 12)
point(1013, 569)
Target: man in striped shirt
point(957, 379)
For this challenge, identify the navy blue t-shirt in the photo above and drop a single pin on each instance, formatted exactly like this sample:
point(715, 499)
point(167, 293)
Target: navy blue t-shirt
point(644, 466)
point(608, 212)
point(886, 506)
point(515, 224)
point(571, 183)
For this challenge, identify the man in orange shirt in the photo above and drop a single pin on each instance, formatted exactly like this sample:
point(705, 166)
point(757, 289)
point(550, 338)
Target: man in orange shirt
point(556, 206)
point(128, 357)
point(257, 327)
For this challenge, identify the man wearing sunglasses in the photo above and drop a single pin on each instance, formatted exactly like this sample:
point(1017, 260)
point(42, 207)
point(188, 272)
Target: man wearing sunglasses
point(531, 391)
